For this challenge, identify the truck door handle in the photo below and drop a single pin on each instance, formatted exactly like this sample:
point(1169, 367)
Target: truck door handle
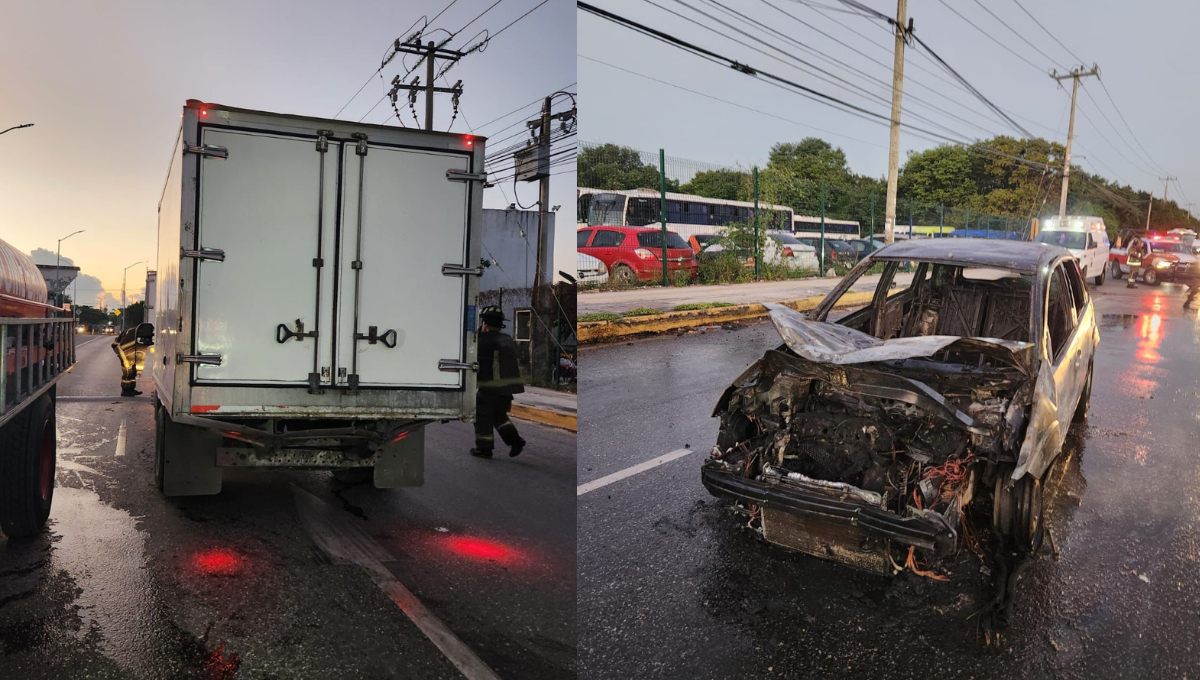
point(283, 333)
point(388, 337)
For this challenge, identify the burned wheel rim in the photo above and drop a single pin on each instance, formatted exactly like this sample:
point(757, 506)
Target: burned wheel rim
point(48, 448)
point(624, 275)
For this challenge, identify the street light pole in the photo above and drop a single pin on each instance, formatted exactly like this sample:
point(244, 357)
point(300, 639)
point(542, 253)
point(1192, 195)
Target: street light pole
point(58, 264)
point(17, 127)
point(124, 274)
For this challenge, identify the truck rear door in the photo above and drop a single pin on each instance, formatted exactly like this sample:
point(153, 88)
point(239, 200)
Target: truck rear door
point(398, 315)
point(264, 220)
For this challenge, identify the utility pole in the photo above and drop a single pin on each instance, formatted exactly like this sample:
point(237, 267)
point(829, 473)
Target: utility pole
point(58, 267)
point(429, 53)
point(1075, 75)
point(124, 311)
point(902, 33)
point(1150, 206)
point(534, 163)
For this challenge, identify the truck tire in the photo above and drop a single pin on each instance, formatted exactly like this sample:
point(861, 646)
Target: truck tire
point(354, 475)
point(1115, 269)
point(1150, 278)
point(1100, 277)
point(28, 450)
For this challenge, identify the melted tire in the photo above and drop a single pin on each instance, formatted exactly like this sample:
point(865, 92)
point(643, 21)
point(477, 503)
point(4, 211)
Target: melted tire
point(28, 450)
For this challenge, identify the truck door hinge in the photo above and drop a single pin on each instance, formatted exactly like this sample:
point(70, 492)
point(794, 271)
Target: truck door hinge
point(450, 365)
point(361, 148)
point(464, 176)
point(206, 359)
point(323, 140)
point(206, 150)
point(214, 254)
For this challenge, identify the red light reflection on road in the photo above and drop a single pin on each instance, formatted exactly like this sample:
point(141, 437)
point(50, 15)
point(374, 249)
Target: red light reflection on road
point(482, 549)
point(1150, 334)
point(218, 562)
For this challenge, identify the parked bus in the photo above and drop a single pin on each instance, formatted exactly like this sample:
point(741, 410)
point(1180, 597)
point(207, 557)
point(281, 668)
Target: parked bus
point(810, 227)
point(687, 215)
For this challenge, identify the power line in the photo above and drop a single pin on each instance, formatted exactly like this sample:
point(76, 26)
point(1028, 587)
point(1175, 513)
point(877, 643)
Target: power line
point(993, 38)
point(1047, 31)
point(1127, 126)
point(970, 87)
point(517, 19)
point(1014, 32)
point(726, 101)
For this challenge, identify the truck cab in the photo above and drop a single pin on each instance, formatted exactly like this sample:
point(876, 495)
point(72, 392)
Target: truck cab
point(1087, 239)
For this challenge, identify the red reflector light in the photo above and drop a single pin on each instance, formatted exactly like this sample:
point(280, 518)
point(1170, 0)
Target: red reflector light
point(204, 408)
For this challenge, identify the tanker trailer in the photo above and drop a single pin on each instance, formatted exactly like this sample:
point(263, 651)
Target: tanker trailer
point(38, 345)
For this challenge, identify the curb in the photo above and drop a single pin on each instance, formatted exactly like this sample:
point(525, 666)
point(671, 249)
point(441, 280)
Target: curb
point(560, 419)
point(600, 331)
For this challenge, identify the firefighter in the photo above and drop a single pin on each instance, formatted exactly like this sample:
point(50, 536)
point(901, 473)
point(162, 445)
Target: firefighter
point(125, 345)
point(499, 379)
point(1134, 255)
point(1192, 280)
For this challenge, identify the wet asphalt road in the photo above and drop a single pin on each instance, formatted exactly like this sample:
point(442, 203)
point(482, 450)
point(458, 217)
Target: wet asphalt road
point(129, 584)
point(671, 587)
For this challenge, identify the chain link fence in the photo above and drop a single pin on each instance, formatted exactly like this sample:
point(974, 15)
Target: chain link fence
point(726, 224)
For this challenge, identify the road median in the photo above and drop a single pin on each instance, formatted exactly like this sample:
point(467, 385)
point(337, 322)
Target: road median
point(602, 331)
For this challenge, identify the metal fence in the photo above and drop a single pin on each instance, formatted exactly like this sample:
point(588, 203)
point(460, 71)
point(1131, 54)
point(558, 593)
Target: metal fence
point(740, 223)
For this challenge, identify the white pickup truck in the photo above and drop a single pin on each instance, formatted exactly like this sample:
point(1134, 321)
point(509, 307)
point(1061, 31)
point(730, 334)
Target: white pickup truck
point(316, 305)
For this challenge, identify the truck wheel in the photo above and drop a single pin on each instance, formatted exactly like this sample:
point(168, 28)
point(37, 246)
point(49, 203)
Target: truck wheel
point(1150, 278)
point(1115, 269)
point(29, 446)
point(1100, 277)
point(353, 475)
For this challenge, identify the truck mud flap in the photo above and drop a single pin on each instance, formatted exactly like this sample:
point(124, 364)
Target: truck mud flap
point(401, 462)
point(919, 532)
point(187, 456)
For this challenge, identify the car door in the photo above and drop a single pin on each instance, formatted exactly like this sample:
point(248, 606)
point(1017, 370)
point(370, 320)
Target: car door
point(1071, 345)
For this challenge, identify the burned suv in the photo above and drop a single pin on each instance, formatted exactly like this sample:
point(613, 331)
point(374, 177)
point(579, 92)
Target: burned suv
point(902, 430)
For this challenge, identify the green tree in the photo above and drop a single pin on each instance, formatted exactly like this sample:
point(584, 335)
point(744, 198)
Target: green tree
point(614, 167)
point(731, 185)
point(942, 175)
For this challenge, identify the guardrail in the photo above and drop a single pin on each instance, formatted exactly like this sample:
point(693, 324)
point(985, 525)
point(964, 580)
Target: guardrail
point(36, 353)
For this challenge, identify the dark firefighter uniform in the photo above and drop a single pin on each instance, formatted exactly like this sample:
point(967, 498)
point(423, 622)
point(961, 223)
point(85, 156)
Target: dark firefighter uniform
point(125, 345)
point(1135, 253)
point(498, 380)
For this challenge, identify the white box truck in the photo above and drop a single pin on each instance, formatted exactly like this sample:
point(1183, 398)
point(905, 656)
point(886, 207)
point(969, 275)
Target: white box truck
point(316, 302)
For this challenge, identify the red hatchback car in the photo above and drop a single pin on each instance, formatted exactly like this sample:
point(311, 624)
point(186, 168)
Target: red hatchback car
point(633, 253)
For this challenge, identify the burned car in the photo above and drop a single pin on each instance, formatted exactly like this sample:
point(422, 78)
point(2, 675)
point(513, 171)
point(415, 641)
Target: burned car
point(906, 429)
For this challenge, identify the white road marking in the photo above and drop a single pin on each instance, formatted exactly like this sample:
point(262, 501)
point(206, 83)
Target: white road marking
point(121, 439)
point(631, 471)
point(345, 541)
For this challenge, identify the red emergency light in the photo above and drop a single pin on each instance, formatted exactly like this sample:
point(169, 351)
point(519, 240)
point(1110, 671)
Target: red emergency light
point(470, 140)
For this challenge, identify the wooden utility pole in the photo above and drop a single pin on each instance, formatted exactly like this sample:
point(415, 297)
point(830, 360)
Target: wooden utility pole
point(1150, 206)
point(1074, 75)
point(902, 32)
point(430, 53)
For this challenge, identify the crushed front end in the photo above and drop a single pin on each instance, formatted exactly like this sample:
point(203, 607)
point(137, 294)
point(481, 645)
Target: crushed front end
point(872, 463)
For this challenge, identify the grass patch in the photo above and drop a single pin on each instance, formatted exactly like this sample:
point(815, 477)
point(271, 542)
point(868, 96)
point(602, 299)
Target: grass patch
point(701, 305)
point(641, 311)
point(599, 316)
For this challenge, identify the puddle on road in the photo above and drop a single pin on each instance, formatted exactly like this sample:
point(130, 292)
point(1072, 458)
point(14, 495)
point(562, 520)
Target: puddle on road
point(102, 551)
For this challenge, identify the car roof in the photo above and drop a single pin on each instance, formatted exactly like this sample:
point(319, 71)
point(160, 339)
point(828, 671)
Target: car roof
point(1021, 256)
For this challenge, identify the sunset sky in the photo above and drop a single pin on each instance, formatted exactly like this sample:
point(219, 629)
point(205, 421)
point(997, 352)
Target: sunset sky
point(104, 84)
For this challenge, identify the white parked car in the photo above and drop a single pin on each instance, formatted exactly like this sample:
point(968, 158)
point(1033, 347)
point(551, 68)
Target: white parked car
point(1086, 238)
point(793, 252)
point(591, 270)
